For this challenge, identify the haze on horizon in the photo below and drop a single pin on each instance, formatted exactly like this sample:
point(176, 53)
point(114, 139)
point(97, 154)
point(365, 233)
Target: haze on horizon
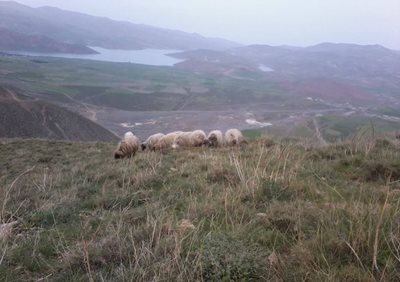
point(283, 22)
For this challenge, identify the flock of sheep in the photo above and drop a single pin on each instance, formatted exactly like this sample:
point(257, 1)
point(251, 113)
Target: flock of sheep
point(130, 144)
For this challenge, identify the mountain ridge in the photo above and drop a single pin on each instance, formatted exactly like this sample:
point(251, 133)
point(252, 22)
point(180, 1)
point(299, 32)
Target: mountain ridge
point(15, 41)
point(78, 28)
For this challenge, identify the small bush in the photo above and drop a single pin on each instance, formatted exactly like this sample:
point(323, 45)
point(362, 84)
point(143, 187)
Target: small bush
point(224, 258)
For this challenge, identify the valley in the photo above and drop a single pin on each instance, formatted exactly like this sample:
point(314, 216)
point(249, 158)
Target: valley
point(151, 99)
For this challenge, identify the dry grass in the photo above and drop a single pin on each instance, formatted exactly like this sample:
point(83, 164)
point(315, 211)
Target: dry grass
point(277, 212)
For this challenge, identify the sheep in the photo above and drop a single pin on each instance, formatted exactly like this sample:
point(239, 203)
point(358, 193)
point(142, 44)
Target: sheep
point(215, 138)
point(195, 138)
point(128, 146)
point(182, 140)
point(151, 141)
point(234, 137)
point(198, 138)
point(167, 141)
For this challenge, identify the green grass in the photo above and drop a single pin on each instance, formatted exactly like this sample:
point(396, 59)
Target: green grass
point(274, 211)
point(336, 128)
point(390, 112)
point(90, 81)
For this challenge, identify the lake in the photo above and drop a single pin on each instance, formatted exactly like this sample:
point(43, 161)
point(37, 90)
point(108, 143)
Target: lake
point(153, 57)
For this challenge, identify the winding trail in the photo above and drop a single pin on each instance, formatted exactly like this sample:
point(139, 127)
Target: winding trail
point(62, 131)
point(18, 100)
point(185, 102)
point(43, 113)
point(318, 133)
point(13, 96)
point(91, 112)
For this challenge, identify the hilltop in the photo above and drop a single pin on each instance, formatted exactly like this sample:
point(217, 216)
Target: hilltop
point(273, 210)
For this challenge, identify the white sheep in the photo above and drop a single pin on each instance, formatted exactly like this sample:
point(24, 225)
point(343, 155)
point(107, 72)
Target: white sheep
point(128, 146)
point(151, 141)
point(194, 138)
point(215, 139)
point(183, 139)
point(234, 137)
point(198, 138)
point(166, 141)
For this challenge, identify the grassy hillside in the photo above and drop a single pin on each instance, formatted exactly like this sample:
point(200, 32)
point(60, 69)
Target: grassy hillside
point(334, 128)
point(268, 211)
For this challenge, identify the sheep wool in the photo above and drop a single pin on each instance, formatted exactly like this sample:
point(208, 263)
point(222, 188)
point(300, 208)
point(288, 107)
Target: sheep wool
point(151, 141)
point(182, 140)
point(167, 141)
point(215, 138)
point(198, 138)
point(234, 137)
point(128, 146)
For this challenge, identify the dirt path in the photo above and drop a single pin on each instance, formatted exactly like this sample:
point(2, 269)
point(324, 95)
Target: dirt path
point(318, 133)
point(92, 114)
point(62, 131)
point(13, 96)
point(189, 99)
point(18, 100)
point(43, 113)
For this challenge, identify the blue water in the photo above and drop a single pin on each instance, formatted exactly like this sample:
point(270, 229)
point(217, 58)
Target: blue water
point(153, 57)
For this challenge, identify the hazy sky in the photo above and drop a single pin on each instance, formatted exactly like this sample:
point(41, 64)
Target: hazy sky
point(274, 22)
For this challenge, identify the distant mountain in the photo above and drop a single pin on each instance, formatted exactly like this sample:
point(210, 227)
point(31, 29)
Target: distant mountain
point(345, 47)
point(26, 117)
point(82, 29)
point(14, 41)
point(328, 71)
point(327, 60)
point(348, 61)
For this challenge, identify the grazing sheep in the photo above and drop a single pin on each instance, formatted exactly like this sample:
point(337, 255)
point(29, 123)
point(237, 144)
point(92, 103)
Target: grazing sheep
point(234, 137)
point(151, 141)
point(128, 146)
point(198, 138)
point(167, 141)
point(215, 138)
point(195, 138)
point(182, 140)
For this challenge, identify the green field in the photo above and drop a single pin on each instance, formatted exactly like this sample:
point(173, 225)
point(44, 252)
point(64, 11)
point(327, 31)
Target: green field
point(334, 128)
point(131, 87)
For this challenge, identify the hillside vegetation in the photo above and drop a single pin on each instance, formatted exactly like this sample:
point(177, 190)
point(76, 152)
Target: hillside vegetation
point(276, 211)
